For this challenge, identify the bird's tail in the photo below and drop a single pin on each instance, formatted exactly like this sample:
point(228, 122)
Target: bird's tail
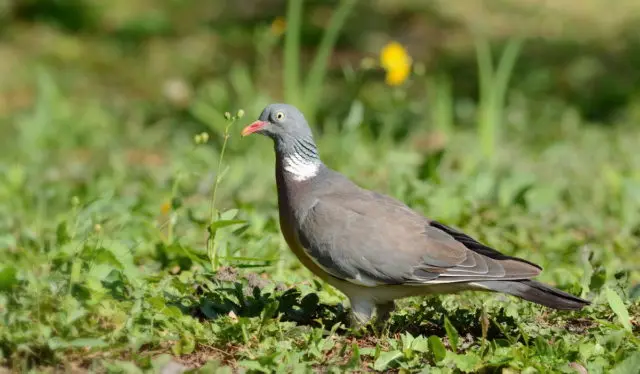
point(536, 292)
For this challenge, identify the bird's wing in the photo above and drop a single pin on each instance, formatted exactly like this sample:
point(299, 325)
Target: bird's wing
point(372, 239)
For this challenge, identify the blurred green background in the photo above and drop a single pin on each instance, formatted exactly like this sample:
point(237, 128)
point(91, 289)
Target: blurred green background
point(582, 56)
point(514, 120)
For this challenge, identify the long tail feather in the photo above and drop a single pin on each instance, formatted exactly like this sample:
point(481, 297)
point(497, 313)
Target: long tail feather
point(536, 292)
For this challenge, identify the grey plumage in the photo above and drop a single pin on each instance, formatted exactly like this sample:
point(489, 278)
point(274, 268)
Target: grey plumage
point(372, 247)
point(383, 242)
point(537, 292)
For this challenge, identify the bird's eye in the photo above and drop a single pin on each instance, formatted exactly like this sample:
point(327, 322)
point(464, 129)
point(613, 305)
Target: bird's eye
point(280, 116)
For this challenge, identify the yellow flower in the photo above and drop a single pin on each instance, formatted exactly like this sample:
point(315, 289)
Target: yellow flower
point(278, 26)
point(396, 62)
point(397, 75)
point(165, 207)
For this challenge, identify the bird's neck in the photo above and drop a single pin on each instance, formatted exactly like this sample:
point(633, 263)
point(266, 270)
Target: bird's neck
point(298, 159)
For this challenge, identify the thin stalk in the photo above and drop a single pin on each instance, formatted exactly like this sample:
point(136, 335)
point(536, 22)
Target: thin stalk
point(172, 214)
point(318, 71)
point(213, 212)
point(211, 247)
point(292, 52)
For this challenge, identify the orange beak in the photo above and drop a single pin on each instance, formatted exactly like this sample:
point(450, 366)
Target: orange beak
point(256, 126)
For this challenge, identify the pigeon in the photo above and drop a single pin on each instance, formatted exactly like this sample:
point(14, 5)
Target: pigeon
point(374, 248)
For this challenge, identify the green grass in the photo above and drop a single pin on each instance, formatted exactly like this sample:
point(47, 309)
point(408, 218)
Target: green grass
point(91, 279)
point(493, 91)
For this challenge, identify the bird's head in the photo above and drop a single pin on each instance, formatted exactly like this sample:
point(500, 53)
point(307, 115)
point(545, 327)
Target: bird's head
point(280, 122)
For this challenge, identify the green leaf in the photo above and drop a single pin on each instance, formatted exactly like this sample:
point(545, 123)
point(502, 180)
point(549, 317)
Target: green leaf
point(224, 223)
point(452, 334)
point(123, 367)
point(438, 349)
point(58, 343)
point(420, 344)
point(635, 292)
point(172, 312)
point(542, 347)
point(103, 256)
point(467, 363)
point(187, 344)
point(76, 271)
point(87, 343)
point(519, 197)
point(617, 305)
point(8, 241)
point(157, 303)
point(229, 214)
point(355, 116)
point(251, 365)
point(214, 367)
point(586, 350)
point(176, 203)
point(8, 278)
point(62, 234)
point(355, 360)
point(587, 268)
point(385, 359)
point(407, 341)
point(75, 314)
point(629, 365)
point(368, 351)
point(428, 170)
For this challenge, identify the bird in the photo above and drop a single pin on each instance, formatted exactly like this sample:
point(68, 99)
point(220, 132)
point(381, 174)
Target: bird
point(374, 248)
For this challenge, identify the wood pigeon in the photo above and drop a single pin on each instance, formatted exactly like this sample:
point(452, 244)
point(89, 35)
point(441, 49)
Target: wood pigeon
point(374, 248)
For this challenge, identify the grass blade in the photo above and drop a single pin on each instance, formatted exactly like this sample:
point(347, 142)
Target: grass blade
point(485, 105)
point(493, 89)
point(504, 71)
point(318, 70)
point(617, 305)
point(442, 110)
point(292, 52)
point(452, 334)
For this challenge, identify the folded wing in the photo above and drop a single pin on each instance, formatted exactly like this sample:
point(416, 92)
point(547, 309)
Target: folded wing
point(372, 239)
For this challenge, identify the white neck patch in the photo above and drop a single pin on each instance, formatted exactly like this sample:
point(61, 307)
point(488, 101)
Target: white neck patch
point(301, 169)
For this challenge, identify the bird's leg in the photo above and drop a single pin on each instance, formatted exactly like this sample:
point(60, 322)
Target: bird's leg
point(361, 312)
point(383, 311)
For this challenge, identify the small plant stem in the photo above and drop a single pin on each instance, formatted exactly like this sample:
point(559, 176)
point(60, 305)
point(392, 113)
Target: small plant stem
point(211, 247)
point(213, 212)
